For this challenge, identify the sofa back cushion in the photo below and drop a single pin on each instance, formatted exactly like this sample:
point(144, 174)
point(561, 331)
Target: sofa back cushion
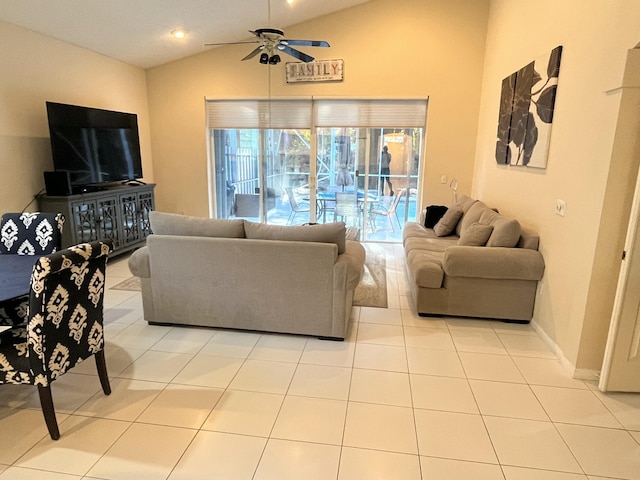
point(173, 224)
point(471, 216)
point(465, 203)
point(528, 240)
point(506, 232)
point(323, 233)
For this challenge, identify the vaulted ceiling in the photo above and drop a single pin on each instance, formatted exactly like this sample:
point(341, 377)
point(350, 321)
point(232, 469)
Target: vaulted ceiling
point(138, 32)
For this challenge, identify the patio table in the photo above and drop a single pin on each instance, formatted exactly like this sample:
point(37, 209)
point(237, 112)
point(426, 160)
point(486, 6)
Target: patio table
point(324, 197)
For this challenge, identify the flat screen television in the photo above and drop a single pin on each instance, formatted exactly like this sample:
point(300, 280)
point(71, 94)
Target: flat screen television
point(96, 147)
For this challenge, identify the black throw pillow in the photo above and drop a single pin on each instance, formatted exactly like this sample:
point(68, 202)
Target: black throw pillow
point(434, 214)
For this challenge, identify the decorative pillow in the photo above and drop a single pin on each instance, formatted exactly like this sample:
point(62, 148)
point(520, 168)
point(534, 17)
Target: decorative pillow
point(173, 224)
point(506, 233)
point(476, 235)
point(324, 233)
point(434, 214)
point(447, 224)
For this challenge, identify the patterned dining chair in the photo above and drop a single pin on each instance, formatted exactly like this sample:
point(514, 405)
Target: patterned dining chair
point(65, 323)
point(27, 233)
point(35, 233)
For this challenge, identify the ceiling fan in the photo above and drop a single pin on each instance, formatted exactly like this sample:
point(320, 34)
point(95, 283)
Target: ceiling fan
point(271, 41)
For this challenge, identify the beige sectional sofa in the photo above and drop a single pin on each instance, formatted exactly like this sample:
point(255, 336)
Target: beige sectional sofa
point(474, 263)
point(245, 275)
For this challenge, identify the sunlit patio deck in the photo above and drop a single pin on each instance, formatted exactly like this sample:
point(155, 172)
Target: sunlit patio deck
point(379, 230)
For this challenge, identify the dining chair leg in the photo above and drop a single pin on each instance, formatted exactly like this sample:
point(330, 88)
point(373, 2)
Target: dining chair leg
point(101, 365)
point(46, 402)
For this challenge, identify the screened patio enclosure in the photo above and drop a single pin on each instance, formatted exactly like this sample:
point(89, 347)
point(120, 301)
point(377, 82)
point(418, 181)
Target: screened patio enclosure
point(315, 161)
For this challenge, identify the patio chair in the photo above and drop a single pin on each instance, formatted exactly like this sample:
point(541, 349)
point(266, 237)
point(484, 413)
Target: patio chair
point(346, 205)
point(330, 205)
point(295, 206)
point(383, 209)
point(65, 324)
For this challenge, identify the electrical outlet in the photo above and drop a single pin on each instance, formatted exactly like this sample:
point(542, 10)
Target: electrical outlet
point(561, 207)
point(443, 179)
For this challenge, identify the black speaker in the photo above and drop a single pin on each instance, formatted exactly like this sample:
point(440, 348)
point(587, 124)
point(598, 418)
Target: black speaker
point(57, 183)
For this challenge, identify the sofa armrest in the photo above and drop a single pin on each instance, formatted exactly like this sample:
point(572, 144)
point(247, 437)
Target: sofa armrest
point(493, 262)
point(139, 263)
point(353, 259)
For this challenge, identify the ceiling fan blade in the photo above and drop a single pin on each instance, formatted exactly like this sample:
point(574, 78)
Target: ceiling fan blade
point(305, 43)
point(229, 43)
point(295, 53)
point(254, 52)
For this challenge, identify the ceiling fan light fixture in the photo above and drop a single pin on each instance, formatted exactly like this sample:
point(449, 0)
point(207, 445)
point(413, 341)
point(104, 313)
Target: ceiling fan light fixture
point(270, 41)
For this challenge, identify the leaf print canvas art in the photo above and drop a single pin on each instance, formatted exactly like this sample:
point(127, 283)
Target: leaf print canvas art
point(527, 103)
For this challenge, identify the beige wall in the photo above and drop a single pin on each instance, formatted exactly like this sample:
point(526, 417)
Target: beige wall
point(414, 48)
point(582, 249)
point(36, 68)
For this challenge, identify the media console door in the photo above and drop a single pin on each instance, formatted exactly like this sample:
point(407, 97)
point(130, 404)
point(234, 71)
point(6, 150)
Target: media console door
point(120, 214)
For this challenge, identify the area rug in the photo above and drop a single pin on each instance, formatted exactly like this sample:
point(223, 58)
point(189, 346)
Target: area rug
point(131, 283)
point(372, 290)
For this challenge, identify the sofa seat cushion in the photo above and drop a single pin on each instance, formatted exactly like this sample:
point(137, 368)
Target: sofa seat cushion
point(434, 244)
point(426, 268)
point(416, 230)
point(174, 224)
point(323, 233)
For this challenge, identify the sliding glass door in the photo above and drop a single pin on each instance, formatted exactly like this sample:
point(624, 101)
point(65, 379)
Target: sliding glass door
point(382, 181)
point(292, 162)
point(256, 172)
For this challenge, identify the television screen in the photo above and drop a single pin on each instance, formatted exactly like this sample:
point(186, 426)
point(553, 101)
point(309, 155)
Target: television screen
point(95, 146)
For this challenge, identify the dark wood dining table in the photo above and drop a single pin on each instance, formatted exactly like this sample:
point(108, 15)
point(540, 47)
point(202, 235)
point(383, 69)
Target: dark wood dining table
point(15, 275)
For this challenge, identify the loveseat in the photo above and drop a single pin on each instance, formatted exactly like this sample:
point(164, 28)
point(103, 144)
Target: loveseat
point(245, 275)
point(472, 262)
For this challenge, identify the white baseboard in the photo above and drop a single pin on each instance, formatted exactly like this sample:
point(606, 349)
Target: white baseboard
point(577, 373)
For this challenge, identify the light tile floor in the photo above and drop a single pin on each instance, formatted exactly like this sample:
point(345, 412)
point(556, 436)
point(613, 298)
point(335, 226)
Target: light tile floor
point(402, 398)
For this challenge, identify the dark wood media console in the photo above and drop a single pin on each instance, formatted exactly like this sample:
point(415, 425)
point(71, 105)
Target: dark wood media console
point(119, 213)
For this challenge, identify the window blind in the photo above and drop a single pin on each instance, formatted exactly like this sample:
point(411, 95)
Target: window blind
point(370, 113)
point(273, 113)
point(299, 113)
